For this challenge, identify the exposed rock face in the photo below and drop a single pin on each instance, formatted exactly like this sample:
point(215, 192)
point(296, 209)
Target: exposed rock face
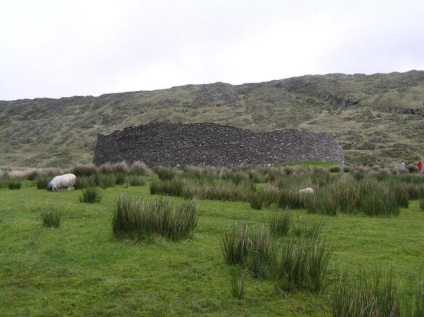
point(208, 144)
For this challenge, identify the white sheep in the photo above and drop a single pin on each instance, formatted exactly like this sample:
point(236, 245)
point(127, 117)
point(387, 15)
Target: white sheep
point(63, 181)
point(307, 190)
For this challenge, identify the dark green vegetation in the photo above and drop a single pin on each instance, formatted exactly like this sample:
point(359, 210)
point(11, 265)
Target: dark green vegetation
point(51, 218)
point(144, 219)
point(236, 260)
point(377, 119)
point(91, 195)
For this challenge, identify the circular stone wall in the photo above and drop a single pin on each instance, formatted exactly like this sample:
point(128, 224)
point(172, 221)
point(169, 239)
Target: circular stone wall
point(208, 144)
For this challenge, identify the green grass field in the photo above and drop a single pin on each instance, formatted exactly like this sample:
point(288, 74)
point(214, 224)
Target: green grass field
point(81, 269)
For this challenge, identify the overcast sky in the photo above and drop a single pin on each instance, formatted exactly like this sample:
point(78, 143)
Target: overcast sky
point(55, 48)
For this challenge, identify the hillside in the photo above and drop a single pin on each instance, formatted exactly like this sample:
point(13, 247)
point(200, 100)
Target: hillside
point(377, 119)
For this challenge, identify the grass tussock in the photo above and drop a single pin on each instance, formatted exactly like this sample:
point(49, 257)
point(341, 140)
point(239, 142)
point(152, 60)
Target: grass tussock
point(84, 170)
point(374, 294)
point(90, 195)
point(303, 265)
point(14, 184)
point(280, 223)
point(368, 196)
point(237, 281)
point(51, 218)
point(142, 219)
point(297, 264)
point(140, 169)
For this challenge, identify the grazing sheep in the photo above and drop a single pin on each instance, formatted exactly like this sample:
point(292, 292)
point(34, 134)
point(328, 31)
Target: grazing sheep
point(307, 190)
point(62, 181)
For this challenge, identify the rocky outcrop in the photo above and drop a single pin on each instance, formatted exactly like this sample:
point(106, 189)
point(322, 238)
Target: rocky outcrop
point(208, 144)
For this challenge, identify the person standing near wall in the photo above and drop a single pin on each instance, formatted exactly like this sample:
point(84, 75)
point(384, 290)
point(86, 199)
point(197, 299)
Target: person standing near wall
point(420, 167)
point(403, 165)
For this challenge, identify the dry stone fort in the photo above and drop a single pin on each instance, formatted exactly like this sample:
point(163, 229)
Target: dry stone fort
point(208, 144)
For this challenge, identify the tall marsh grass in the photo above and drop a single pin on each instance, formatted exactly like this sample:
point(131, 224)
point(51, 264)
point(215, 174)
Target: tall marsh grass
point(368, 196)
point(43, 182)
point(299, 264)
point(235, 244)
point(189, 188)
point(374, 294)
point(90, 195)
point(142, 219)
point(303, 265)
point(51, 218)
point(237, 279)
point(280, 223)
point(261, 255)
point(14, 184)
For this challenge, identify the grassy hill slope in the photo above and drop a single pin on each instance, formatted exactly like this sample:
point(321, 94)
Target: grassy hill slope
point(377, 119)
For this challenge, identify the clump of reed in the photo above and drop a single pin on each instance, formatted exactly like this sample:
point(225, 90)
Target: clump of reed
point(90, 195)
point(116, 168)
point(166, 173)
point(256, 200)
point(51, 218)
point(205, 174)
point(43, 182)
point(139, 219)
point(291, 198)
point(137, 180)
point(189, 188)
point(234, 244)
point(84, 170)
point(171, 187)
point(369, 196)
point(253, 249)
point(280, 223)
point(311, 230)
point(105, 180)
point(237, 279)
point(374, 294)
point(303, 265)
point(14, 184)
point(422, 204)
point(85, 182)
point(299, 264)
point(139, 168)
point(235, 176)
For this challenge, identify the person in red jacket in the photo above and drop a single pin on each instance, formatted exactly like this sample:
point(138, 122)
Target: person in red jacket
point(420, 167)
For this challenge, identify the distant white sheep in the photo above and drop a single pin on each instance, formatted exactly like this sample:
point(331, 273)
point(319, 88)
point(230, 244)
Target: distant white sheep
point(63, 181)
point(307, 190)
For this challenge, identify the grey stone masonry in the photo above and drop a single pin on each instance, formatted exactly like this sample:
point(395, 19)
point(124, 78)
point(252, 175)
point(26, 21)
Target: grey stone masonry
point(209, 144)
